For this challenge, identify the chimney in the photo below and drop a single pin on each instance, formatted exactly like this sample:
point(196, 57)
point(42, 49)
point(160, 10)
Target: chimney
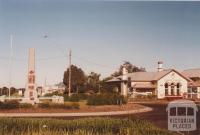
point(160, 66)
point(124, 72)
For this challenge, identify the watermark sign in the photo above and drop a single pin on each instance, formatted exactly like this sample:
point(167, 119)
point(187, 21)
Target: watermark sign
point(182, 115)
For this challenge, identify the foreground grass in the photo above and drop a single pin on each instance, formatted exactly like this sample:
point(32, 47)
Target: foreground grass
point(89, 126)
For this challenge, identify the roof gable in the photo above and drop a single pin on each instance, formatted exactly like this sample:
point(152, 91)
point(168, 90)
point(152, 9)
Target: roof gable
point(172, 70)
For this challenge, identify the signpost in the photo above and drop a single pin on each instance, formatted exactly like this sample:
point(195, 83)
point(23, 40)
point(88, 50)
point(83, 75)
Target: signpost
point(182, 116)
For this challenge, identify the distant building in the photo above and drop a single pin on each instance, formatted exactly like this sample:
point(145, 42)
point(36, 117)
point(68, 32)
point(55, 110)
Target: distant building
point(21, 91)
point(50, 89)
point(163, 83)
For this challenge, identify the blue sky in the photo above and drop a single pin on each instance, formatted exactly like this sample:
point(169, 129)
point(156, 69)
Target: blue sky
point(101, 35)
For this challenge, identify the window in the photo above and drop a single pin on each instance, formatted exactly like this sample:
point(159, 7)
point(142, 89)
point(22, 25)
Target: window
point(172, 89)
point(178, 89)
point(166, 89)
point(129, 82)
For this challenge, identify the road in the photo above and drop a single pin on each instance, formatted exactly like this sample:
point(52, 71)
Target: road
point(158, 116)
point(87, 114)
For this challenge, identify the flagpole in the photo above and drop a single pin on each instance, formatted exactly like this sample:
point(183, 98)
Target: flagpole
point(10, 64)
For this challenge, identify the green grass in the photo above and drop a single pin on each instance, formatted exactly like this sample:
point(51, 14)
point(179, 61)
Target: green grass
point(86, 126)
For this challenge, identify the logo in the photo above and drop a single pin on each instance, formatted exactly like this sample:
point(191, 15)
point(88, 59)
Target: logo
point(182, 115)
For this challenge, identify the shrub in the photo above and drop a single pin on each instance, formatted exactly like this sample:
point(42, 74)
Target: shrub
point(76, 97)
point(56, 93)
point(12, 104)
point(46, 105)
point(146, 97)
point(106, 99)
point(25, 105)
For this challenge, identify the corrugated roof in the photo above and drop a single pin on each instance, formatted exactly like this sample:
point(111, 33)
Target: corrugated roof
point(144, 85)
point(147, 76)
point(192, 73)
point(142, 76)
point(115, 79)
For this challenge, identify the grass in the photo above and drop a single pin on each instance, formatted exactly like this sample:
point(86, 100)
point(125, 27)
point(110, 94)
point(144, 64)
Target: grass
point(89, 126)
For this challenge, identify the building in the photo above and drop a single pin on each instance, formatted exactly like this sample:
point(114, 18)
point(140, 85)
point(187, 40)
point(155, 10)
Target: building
point(50, 89)
point(194, 88)
point(164, 83)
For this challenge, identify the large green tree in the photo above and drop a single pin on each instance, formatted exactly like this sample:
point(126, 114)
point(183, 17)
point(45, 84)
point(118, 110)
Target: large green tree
point(93, 81)
point(4, 91)
point(130, 67)
point(78, 78)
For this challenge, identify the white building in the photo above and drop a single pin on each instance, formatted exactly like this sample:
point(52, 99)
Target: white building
point(50, 89)
point(162, 83)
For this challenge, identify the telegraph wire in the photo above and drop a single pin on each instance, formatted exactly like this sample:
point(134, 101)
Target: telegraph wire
point(58, 57)
point(91, 62)
point(54, 44)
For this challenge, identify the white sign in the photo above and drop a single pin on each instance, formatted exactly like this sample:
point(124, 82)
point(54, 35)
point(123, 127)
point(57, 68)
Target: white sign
point(182, 115)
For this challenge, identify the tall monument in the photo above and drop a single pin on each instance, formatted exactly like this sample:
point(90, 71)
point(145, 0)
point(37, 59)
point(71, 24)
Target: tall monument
point(31, 92)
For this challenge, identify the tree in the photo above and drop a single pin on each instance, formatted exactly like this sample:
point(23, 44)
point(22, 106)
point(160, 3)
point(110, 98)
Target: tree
point(60, 84)
point(13, 90)
point(4, 91)
point(130, 67)
point(78, 78)
point(93, 81)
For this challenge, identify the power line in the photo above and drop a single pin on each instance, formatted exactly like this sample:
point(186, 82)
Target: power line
point(58, 57)
point(91, 62)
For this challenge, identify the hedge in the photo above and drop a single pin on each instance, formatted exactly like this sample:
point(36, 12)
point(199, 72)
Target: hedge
point(47, 105)
point(106, 99)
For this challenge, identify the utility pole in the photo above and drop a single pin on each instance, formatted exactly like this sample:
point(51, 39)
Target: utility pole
point(10, 65)
point(70, 72)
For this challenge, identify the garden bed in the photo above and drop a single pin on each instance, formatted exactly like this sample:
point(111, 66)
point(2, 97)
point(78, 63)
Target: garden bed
point(83, 108)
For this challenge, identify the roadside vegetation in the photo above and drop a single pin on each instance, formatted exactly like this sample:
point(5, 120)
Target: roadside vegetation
point(89, 126)
point(106, 99)
point(75, 101)
point(14, 104)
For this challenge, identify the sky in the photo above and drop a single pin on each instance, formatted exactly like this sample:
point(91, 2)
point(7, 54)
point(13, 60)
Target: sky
point(101, 35)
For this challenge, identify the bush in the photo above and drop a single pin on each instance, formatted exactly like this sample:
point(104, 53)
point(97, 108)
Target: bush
point(56, 93)
point(25, 105)
point(76, 97)
point(146, 97)
point(46, 105)
point(12, 104)
point(106, 99)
